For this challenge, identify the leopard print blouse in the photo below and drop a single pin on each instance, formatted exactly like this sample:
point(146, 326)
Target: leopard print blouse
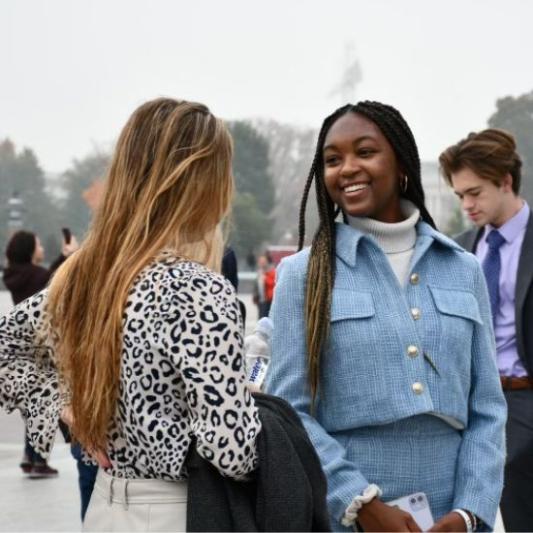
point(182, 376)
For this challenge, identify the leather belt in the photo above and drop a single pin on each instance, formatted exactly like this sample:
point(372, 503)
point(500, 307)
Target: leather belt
point(511, 383)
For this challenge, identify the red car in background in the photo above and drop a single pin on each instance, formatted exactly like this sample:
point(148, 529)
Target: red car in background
point(278, 252)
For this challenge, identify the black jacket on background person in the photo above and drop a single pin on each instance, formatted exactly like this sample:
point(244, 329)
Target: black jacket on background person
point(23, 280)
point(288, 492)
point(230, 272)
point(523, 292)
point(229, 267)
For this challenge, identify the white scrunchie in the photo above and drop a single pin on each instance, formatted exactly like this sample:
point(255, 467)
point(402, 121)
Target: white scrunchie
point(350, 515)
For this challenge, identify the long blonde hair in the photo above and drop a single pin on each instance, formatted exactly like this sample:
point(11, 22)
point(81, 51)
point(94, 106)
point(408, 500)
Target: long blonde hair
point(168, 187)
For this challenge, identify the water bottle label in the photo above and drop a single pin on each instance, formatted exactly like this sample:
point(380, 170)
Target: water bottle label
point(258, 372)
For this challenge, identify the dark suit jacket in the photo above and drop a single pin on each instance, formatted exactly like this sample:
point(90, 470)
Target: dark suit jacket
point(524, 290)
point(287, 493)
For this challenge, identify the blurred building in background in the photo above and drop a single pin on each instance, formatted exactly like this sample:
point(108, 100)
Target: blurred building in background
point(441, 201)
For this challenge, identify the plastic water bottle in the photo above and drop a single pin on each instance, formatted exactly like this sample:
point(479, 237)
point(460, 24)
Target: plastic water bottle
point(257, 352)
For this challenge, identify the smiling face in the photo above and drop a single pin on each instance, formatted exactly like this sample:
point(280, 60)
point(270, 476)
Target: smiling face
point(361, 171)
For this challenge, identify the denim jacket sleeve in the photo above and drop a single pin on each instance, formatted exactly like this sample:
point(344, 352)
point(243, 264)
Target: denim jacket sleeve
point(288, 378)
point(479, 478)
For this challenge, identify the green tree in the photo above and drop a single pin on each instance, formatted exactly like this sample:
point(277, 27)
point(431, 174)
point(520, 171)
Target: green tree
point(76, 181)
point(21, 175)
point(516, 116)
point(249, 226)
point(291, 152)
point(254, 199)
point(251, 165)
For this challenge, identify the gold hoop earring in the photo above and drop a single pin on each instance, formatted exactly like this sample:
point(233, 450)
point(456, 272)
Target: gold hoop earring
point(404, 183)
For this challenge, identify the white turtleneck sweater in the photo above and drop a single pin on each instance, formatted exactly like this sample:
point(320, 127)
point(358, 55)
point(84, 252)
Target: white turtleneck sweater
point(397, 239)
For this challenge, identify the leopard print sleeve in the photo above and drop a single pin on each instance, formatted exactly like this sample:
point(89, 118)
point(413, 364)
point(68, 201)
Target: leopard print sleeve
point(204, 335)
point(28, 378)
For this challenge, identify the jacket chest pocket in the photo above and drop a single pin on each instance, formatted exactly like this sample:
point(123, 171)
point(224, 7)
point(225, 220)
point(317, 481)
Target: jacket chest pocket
point(353, 371)
point(352, 325)
point(458, 314)
point(351, 305)
point(456, 303)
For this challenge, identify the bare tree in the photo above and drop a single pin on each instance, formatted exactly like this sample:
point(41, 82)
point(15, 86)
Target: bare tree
point(291, 151)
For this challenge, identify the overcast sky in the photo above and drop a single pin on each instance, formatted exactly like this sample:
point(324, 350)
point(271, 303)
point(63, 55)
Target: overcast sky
point(73, 70)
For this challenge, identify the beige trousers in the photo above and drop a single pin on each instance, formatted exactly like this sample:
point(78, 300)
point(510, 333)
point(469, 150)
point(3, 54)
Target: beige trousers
point(136, 505)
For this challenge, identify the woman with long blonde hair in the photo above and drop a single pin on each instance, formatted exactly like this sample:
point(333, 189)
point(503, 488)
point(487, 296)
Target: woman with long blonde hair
point(137, 332)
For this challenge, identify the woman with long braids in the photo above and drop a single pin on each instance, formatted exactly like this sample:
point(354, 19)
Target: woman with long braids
point(383, 339)
point(138, 332)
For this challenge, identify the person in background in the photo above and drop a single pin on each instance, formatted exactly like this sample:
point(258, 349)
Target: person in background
point(383, 342)
point(24, 276)
point(230, 271)
point(229, 267)
point(251, 261)
point(484, 170)
point(86, 478)
point(264, 289)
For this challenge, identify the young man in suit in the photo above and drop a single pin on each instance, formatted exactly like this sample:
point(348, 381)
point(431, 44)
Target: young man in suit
point(484, 170)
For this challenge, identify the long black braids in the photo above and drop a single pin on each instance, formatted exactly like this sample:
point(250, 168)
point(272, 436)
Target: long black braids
point(321, 267)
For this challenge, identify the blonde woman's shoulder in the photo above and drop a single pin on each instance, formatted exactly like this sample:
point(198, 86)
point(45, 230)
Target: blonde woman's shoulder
point(180, 273)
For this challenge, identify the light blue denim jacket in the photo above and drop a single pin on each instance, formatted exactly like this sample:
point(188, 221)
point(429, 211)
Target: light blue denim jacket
point(367, 374)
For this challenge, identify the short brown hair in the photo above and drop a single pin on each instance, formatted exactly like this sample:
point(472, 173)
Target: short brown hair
point(491, 154)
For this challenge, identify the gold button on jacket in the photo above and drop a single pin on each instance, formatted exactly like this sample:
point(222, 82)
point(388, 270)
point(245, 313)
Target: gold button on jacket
point(417, 387)
point(412, 351)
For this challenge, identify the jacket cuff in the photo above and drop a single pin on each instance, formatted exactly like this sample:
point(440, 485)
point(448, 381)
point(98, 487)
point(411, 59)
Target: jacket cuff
point(483, 508)
point(350, 515)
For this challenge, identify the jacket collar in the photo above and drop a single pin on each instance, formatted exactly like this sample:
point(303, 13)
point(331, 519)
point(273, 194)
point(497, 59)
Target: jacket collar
point(423, 228)
point(348, 239)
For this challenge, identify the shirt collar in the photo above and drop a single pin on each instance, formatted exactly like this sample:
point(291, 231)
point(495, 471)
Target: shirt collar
point(513, 227)
point(348, 238)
